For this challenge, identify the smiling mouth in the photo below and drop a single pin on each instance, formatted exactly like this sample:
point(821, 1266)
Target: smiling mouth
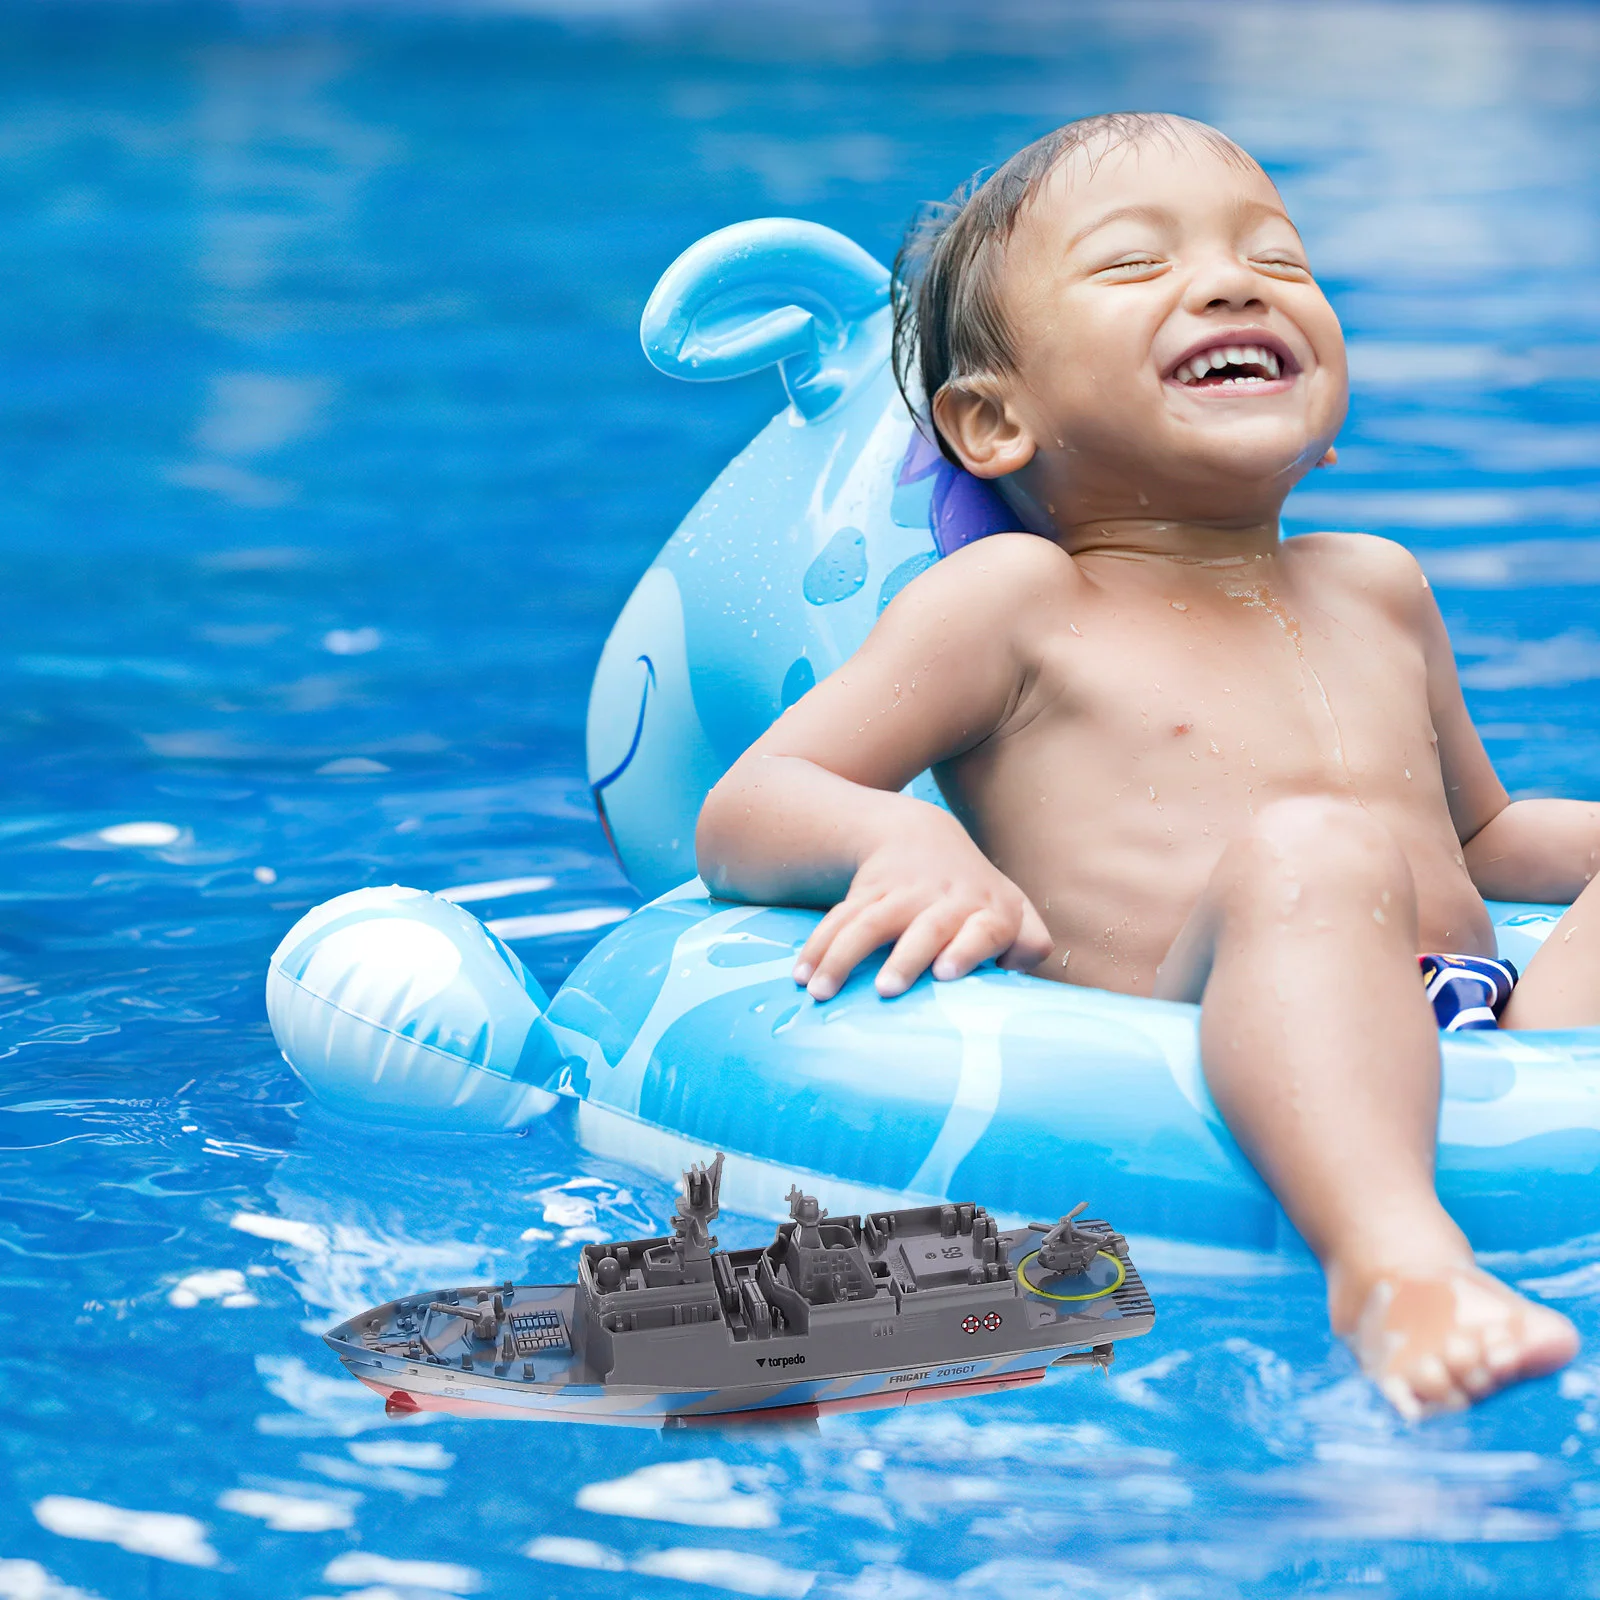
point(1230, 366)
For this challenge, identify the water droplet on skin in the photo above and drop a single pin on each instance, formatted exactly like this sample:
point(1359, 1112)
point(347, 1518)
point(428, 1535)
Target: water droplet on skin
point(1408, 772)
point(1074, 627)
point(1378, 916)
point(1178, 605)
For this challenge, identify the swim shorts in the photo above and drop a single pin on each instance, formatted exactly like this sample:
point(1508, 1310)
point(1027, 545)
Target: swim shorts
point(1467, 991)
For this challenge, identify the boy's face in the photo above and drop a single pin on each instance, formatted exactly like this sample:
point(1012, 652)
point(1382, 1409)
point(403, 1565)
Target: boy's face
point(1175, 356)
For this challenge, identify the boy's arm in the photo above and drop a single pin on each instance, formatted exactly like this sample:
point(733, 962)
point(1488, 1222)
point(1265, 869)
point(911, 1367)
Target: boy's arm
point(1544, 850)
point(811, 814)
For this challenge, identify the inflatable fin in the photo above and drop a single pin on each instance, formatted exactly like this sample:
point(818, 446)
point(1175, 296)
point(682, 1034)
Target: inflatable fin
point(397, 1007)
point(773, 292)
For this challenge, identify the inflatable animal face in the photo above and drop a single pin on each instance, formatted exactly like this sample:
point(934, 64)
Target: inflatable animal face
point(778, 573)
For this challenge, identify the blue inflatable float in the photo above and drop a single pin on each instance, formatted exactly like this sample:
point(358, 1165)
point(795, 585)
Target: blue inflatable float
point(683, 1031)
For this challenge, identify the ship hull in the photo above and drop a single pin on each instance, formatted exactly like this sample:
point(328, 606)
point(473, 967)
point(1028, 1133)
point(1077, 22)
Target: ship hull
point(408, 1388)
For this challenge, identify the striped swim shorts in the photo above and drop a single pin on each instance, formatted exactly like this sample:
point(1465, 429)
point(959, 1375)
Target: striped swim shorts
point(1467, 991)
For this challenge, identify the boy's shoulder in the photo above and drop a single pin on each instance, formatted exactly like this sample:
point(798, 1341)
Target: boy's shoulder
point(1373, 563)
point(998, 569)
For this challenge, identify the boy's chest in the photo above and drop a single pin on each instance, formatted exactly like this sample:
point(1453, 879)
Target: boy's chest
point(1246, 687)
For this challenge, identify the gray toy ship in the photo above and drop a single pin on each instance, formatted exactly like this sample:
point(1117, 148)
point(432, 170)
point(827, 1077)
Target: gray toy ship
point(836, 1314)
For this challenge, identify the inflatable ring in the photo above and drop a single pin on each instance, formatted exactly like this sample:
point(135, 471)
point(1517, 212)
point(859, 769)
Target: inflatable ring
point(683, 1031)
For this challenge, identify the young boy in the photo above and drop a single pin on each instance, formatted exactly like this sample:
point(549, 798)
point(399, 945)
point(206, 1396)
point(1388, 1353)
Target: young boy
point(1184, 757)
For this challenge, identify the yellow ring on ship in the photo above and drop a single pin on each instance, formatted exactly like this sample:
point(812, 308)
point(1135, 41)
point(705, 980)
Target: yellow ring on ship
point(1098, 1294)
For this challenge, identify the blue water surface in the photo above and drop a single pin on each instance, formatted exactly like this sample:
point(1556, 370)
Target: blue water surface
point(327, 455)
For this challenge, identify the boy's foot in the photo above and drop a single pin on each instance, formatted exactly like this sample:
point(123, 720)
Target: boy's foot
point(1436, 1341)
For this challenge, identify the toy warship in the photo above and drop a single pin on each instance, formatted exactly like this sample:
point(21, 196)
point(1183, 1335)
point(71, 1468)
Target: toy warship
point(836, 1314)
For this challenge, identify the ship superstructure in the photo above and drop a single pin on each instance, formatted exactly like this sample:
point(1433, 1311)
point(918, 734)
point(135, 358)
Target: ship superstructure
point(837, 1313)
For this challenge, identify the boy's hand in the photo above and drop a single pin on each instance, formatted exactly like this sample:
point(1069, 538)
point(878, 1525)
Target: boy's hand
point(939, 901)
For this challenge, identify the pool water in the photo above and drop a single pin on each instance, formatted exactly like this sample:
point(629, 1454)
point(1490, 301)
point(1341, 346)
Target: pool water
point(327, 455)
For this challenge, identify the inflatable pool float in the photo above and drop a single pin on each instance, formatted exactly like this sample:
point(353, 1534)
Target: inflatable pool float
point(682, 1030)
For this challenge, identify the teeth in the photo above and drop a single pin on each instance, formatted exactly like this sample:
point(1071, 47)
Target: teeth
point(1233, 355)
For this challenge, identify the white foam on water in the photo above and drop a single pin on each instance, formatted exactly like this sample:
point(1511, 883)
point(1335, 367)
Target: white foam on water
point(541, 927)
point(254, 413)
point(463, 894)
point(351, 767)
point(1528, 563)
point(734, 1570)
point(1581, 1281)
point(1563, 658)
point(1539, 506)
point(321, 1405)
point(223, 1283)
point(392, 1480)
point(27, 1580)
point(380, 1591)
point(360, 1566)
point(287, 1513)
point(237, 485)
point(282, 1230)
point(560, 1552)
point(140, 835)
point(698, 1494)
point(567, 1210)
point(351, 641)
point(167, 1535)
point(1395, 365)
point(737, 1571)
point(1134, 1386)
point(422, 1453)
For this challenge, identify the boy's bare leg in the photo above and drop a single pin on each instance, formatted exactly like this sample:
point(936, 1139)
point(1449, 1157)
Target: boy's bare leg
point(1321, 1051)
point(1561, 988)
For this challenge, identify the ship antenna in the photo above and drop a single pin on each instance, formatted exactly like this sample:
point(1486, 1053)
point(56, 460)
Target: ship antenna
point(698, 1206)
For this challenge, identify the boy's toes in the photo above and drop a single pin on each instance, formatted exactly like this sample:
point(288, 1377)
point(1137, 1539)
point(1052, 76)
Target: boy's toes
point(1439, 1341)
point(1402, 1397)
point(1431, 1382)
point(1549, 1342)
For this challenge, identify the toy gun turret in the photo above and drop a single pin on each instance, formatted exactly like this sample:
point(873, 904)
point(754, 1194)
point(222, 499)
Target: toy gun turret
point(485, 1315)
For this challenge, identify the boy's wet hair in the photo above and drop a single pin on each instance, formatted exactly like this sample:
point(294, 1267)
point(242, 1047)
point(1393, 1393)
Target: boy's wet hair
point(948, 323)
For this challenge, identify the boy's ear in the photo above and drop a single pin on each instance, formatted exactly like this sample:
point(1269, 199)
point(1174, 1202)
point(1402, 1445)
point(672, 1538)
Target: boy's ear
point(982, 429)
